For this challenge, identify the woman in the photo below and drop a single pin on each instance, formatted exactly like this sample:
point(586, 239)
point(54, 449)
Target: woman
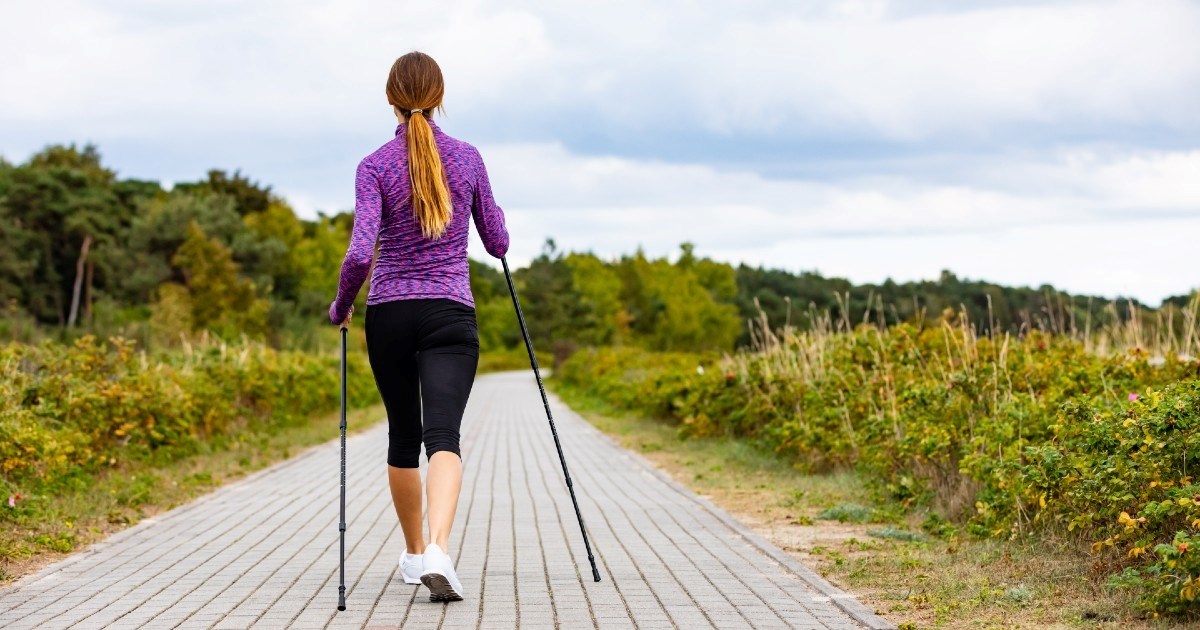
point(414, 195)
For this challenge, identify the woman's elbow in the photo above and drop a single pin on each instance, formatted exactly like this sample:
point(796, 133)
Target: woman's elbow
point(498, 247)
point(357, 262)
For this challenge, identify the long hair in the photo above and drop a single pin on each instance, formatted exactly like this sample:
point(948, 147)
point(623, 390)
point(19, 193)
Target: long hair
point(415, 82)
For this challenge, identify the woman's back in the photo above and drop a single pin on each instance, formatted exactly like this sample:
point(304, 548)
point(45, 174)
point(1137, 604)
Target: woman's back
point(415, 196)
point(410, 265)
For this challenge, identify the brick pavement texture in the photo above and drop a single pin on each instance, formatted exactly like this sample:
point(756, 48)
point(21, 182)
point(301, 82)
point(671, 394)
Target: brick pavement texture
point(262, 552)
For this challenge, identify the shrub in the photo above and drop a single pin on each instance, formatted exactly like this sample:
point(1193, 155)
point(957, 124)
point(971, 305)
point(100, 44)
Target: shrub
point(1005, 436)
point(76, 407)
point(1125, 476)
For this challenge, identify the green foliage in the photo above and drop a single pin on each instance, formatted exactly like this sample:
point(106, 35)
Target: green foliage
point(159, 230)
point(248, 197)
point(1125, 475)
point(577, 300)
point(48, 209)
point(801, 298)
point(678, 307)
point(1005, 437)
point(78, 407)
point(142, 273)
point(597, 293)
point(654, 383)
point(213, 296)
point(847, 513)
point(499, 331)
point(896, 534)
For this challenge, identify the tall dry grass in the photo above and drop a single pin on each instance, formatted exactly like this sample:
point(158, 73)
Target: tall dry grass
point(802, 351)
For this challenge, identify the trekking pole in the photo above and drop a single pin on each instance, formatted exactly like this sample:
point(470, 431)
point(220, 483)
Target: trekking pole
point(342, 519)
point(558, 445)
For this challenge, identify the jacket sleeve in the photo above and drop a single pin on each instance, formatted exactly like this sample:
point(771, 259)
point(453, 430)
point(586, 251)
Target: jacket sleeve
point(489, 218)
point(368, 207)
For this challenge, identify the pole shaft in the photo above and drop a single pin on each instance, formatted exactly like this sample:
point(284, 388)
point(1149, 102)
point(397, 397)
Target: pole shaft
point(512, 288)
point(342, 515)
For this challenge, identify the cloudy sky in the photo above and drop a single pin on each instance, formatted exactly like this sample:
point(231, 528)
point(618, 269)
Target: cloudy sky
point(1022, 142)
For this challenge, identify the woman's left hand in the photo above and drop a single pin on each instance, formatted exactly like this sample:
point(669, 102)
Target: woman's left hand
point(346, 322)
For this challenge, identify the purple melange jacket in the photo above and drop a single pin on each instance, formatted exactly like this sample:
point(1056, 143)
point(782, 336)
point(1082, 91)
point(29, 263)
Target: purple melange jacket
point(411, 266)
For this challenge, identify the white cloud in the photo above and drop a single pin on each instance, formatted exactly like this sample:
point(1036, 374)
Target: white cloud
point(1119, 223)
point(939, 74)
point(608, 124)
point(732, 68)
point(1091, 185)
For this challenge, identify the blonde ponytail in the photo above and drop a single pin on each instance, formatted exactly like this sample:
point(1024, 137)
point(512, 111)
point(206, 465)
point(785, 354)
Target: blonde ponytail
point(415, 86)
point(430, 193)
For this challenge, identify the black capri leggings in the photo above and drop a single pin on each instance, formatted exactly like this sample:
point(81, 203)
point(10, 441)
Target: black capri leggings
point(423, 354)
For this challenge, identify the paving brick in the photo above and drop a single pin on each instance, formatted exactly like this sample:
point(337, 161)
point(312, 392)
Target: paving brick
point(263, 552)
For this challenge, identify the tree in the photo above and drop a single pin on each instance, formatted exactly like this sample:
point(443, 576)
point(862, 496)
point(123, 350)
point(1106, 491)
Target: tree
point(599, 316)
point(498, 326)
point(160, 228)
point(552, 310)
point(217, 298)
point(62, 213)
point(680, 306)
point(248, 196)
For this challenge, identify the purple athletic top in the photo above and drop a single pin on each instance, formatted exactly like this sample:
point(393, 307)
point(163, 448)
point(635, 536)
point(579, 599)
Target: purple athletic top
point(409, 265)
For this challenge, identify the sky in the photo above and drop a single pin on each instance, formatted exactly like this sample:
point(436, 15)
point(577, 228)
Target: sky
point(1020, 142)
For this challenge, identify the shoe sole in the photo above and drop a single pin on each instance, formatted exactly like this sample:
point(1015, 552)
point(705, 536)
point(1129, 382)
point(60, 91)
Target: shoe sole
point(440, 589)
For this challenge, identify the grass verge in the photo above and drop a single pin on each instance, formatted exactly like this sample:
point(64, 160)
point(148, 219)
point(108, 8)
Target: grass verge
point(85, 510)
point(76, 510)
point(878, 552)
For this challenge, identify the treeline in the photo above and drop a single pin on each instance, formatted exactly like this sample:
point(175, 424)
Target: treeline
point(786, 297)
point(86, 251)
point(578, 299)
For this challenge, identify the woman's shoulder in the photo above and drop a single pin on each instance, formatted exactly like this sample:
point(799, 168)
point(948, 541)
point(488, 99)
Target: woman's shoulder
point(389, 149)
point(460, 157)
point(458, 146)
point(387, 153)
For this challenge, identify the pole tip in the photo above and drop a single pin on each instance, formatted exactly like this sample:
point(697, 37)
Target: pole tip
point(595, 574)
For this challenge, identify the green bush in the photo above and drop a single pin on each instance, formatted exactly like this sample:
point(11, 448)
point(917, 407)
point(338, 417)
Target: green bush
point(1125, 476)
point(1004, 436)
point(654, 383)
point(76, 407)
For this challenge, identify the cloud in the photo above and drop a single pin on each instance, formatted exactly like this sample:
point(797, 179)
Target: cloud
point(757, 72)
point(759, 126)
point(973, 73)
point(1121, 212)
point(1074, 184)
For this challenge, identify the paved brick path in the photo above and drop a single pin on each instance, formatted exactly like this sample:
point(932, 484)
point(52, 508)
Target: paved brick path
point(263, 551)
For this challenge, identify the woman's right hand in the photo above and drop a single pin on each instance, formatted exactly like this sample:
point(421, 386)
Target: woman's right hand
point(346, 322)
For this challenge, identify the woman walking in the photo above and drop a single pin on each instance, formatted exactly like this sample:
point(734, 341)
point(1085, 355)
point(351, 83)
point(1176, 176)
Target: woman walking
point(415, 195)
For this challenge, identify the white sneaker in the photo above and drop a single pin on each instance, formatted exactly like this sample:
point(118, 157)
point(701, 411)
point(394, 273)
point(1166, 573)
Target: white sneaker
point(411, 567)
point(439, 576)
